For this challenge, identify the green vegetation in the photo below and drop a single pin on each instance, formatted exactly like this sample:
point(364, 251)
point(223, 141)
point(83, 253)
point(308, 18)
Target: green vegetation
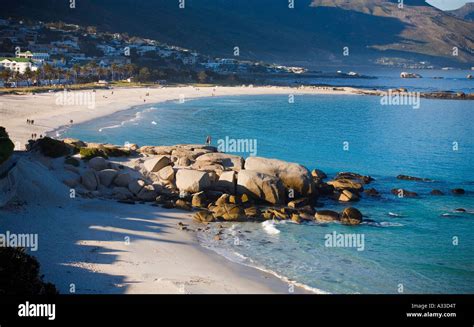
point(116, 152)
point(19, 274)
point(16, 59)
point(6, 145)
point(53, 148)
point(89, 153)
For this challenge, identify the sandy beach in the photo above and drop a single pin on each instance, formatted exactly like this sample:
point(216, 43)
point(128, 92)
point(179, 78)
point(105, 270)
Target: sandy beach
point(49, 111)
point(106, 247)
point(102, 246)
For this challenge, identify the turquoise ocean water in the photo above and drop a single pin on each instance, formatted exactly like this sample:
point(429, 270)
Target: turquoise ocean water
point(419, 245)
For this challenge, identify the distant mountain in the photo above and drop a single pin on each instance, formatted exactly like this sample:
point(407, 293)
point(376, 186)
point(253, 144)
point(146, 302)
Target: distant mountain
point(465, 12)
point(312, 34)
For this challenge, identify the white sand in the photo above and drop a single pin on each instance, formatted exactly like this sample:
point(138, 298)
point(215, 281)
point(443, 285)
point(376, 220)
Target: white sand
point(83, 241)
point(48, 114)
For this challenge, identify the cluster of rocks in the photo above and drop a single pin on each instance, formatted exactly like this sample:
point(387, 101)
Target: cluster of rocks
point(218, 186)
point(197, 177)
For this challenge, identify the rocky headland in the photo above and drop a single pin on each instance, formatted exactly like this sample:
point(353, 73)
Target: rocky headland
point(215, 186)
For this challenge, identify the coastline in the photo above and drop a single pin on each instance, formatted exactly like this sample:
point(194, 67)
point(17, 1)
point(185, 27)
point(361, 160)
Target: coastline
point(262, 280)
point(107, 247)
point(48, 116)
point(190, 267)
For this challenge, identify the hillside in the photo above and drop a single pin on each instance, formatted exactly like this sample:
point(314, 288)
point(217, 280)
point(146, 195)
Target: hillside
point(466, 12)
point(311, 34)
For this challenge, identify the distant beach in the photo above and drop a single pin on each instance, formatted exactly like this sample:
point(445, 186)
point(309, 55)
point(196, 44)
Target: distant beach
point(48, 115)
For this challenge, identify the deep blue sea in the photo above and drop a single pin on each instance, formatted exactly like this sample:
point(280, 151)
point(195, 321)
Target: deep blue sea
point(413, 245)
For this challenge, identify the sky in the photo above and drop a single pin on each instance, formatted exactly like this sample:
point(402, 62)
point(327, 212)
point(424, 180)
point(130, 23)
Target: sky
point(448, 4)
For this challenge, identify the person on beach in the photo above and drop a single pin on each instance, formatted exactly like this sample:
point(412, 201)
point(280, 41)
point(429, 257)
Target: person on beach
point(71, 122)
point(208, 140)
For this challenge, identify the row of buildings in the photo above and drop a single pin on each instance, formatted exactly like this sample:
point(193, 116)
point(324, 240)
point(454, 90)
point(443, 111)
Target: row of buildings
point(65, 45)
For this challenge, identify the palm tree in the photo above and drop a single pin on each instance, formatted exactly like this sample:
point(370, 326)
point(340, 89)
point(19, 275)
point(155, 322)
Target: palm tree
point(76, 69)
point(28, 74)
point(48, 72)
point(114, 68)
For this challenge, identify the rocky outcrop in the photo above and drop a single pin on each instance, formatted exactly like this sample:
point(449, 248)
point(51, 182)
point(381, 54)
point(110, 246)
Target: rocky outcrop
point(107, 176)
point(228, 212)
point(136, 185)
point(156, 163)
point(166, 173)
point(348, 196)
point(227, 182)
point(90, 180)
point(346, 184)
point(98, 163)
point(228, 161)
point(122, 179)
point(318, 174)
point(192, 181)
point(293, 176)
point(354, 177)
point(261, 186)
point(147, 193)
point(351, 216)
point(326, 216)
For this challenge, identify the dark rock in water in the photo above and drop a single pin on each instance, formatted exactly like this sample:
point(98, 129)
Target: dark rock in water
point(324, 189)
point(296, 218)
point(460, 210)
point(298, 203)
point(348, 196)
point(326, 216)
point(403, 193)
point(436, 192)
point(411, 178)
point(318, 174)
point(458, 191)
point(347, 184)
point(354, 176)
point(372, 192)
point(351, 216)
point(307, 209)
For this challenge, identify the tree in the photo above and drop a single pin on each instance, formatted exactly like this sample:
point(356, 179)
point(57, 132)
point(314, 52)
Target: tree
point(144, 74)
point(5, 75)
point(28, 74)
point(77, 70)
point(202, 76)
point(48, 72)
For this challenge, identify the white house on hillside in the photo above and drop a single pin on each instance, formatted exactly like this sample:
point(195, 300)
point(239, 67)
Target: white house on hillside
point(17, 64)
